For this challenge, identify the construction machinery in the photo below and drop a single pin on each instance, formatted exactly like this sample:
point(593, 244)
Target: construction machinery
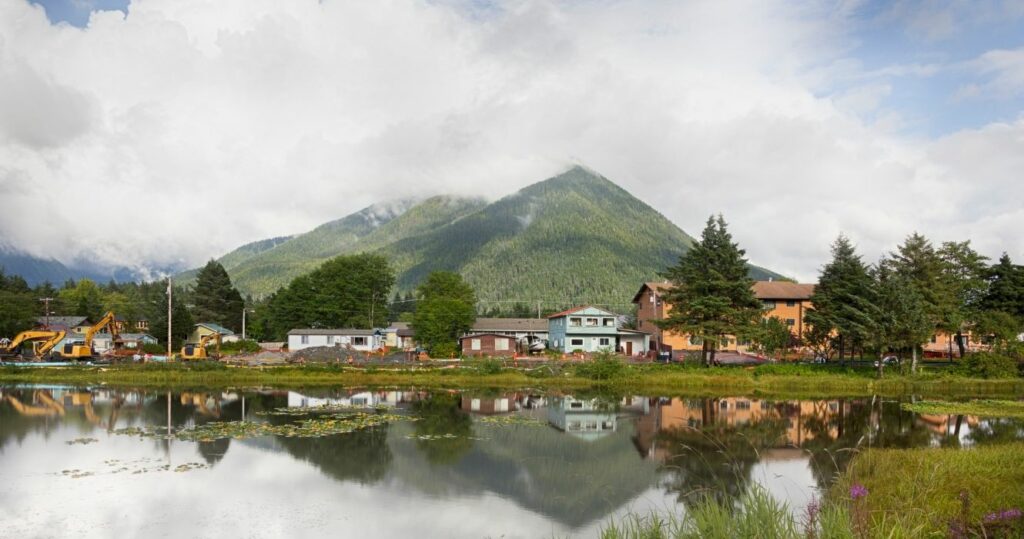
point(198, 351)
point(82, 350)
point(43, 341)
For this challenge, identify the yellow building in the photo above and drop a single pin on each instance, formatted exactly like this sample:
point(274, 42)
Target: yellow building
point(784, 300)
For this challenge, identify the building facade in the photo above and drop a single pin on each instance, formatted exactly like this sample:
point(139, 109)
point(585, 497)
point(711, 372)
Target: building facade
point(362, 340)
point(783, 300)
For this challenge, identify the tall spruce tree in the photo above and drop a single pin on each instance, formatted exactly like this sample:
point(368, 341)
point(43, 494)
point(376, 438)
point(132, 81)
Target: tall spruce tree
point(902, 320)
point(964, 284)
point(843, 303)
point(921, 267)
point(1005, 288)
point(711, 294)
point(215, 299)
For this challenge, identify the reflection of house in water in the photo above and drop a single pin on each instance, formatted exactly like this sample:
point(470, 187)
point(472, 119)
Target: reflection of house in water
point(587, 419)
point(802, 420)
point(369, 399)
point(493, 405)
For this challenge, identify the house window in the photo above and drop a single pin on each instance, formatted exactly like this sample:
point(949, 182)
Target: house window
point(474, 344)
point(304, 339)
point(592, 322)
point(576, 404)
point(575, 342)
point(604, 341)
point(359, 341)
point(575, 322)
point(935, 338)
point(695, 340)
point(790, 303)
point(790, 322)
point(609, 322)
point(501, 344)
point(769, 305)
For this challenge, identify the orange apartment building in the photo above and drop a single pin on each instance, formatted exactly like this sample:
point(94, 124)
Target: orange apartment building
point(784, 300)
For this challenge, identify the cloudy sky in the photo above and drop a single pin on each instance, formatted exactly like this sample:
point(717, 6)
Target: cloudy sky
point(169, 131)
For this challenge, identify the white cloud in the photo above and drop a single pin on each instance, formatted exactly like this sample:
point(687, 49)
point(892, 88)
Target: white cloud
point(1004, 70)
point(187, 127)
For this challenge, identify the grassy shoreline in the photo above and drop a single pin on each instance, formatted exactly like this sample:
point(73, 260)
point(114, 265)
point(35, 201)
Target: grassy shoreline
point(652, 379)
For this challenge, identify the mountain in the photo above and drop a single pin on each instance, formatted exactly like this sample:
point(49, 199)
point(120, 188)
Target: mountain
point(574, 238)
point(33, 269)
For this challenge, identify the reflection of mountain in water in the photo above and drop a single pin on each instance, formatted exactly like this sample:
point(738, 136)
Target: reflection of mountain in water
point(569, 479)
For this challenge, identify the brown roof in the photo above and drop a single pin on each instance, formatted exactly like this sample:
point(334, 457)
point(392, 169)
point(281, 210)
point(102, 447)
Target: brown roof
point(495, 335)
point(655, 286)
point(783, 290)
point(510, 324)
point(762, 289)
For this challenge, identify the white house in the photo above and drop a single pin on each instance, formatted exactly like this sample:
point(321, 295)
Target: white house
point(362, 340)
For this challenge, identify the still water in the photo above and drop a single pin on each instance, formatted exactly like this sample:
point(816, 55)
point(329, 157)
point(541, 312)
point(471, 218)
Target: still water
point(99, 462)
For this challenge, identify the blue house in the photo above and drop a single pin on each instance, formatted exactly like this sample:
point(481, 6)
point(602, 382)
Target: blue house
point(590, 329)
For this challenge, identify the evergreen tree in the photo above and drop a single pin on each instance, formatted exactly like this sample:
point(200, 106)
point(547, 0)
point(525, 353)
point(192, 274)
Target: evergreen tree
point(903, 320)
point(843, 308)
point(918, 265)
point(1005, 288)
point(446, 310)
point(964, 282)
point(711, 294)
point(215, 299)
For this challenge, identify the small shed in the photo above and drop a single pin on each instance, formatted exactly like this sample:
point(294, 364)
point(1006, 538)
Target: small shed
point(363, 340)
point(487, 344)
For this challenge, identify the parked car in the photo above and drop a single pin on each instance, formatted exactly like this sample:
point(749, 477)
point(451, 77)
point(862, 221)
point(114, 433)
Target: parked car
point(888, 361)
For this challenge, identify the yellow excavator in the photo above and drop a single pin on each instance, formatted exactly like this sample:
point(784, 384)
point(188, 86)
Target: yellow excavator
point(79, 350)
point(198, 351)
point(43, 341)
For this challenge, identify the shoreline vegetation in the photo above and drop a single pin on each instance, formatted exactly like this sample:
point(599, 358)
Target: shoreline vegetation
point(804, 381)
point(929, 492)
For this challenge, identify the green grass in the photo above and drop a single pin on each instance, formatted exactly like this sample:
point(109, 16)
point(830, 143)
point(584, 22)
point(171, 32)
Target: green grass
point(910, 493)
point(809, 382)
point(982, 408)
point(920, 489)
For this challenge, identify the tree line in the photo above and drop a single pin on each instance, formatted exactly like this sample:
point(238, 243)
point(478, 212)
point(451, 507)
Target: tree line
point(894, 305)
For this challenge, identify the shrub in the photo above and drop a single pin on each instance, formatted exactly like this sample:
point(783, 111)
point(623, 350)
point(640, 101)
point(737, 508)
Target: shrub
point(988, 365)
point(444, 350)
point(154, 349)
point(489, 366)
point(604, 366)
point(247, 346)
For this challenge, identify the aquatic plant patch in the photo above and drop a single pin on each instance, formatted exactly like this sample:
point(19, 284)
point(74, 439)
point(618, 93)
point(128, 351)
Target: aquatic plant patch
point(308, 428)
point(82, 441)
point(982, 408)
point(510, 420)
point(321, 409)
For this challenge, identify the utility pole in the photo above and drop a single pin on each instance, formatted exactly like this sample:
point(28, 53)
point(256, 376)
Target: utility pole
point(46, 310)
point(169, 326)
point(538, 310)
point(243, 324)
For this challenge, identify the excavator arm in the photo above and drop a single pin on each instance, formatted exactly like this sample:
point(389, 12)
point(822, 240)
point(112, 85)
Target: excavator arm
point(106, 321)
point(53, 337)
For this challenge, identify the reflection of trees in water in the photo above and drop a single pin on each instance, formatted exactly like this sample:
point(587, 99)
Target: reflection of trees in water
point(715, 460)
point(438, 415)
point(989, 431)
point(362, 455)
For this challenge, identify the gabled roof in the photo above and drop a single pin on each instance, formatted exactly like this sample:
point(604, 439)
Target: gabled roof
point(578, 309)
point(764, 290)
point(343, 332)
point(216, 328)
point(64, 321)
point(510, 324)
point(652, 285)
point(784, 290)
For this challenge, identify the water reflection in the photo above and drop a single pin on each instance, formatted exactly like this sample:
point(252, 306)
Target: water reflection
point(562, 462)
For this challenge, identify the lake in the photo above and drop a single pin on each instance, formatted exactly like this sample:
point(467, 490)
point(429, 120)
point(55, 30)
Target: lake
point(302, 463)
